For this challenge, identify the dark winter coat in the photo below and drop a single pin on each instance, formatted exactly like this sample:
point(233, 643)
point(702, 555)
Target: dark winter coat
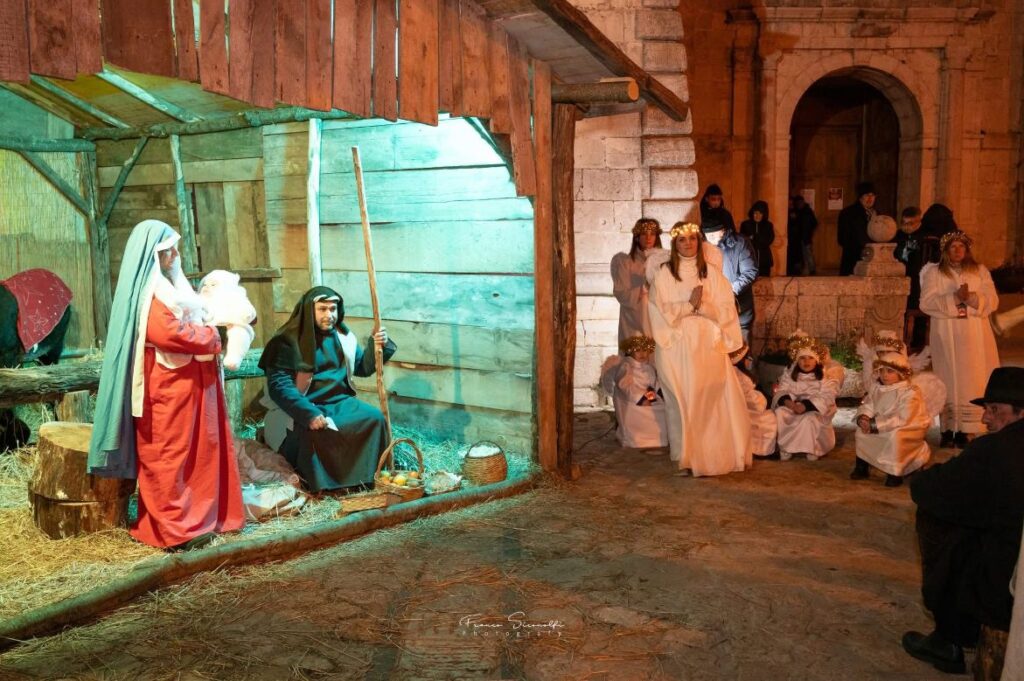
point(761, 235)
point(980, 494)
point(720, 215)
point(853, 235)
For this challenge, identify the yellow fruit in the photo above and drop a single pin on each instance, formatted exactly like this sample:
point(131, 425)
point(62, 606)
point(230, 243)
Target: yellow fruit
point(399, 480)
point(414, 474)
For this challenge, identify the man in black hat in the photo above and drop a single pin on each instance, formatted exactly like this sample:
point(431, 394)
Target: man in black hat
point(739, 265)
point(970, 514)
point(853, 227)
point(315, 420)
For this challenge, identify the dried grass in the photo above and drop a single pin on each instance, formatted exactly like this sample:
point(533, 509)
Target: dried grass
point(37, 570)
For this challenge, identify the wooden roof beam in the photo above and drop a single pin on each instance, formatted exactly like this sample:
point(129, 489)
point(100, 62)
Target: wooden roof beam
point(148, 98)
point(606, 92)
point(253, 118)
point(576, 24)
point(77, 102)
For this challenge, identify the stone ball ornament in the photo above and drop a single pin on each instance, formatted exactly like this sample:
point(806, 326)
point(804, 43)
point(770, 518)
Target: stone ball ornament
point(882, 228)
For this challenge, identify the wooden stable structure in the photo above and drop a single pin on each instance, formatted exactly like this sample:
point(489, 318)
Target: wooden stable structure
point(238, 134)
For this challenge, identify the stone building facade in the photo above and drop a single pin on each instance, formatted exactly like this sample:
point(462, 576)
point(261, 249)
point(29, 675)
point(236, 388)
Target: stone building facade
point(952, 71)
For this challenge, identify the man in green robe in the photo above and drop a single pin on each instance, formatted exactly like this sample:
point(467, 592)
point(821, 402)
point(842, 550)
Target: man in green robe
point(331, 438)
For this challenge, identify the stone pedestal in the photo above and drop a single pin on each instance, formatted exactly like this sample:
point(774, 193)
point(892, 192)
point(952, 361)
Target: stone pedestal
point(878, 261)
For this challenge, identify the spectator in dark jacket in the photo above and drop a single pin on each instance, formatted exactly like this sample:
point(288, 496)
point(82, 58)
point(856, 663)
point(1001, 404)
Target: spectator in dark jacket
point(911, 246)
point(800, 233)
point(712, 207)
point(853, 227)
point(761, 232)
point(970, 513)
point(739, 266)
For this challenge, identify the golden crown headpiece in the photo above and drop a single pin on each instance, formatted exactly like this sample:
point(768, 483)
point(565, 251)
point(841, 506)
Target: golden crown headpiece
point(894, 360)
point(682, 228)
point(800, 343)
point(886, 341)
point(634, 343)
point(958, 235)
point(646, 226)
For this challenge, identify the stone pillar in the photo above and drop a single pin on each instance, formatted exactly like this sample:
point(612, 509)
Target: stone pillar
point(951, 115)
point(745, 110)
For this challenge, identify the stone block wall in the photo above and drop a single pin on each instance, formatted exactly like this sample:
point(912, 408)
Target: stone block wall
point(627, 166)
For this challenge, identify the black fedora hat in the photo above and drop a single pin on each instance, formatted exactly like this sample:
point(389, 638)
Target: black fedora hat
point(1006, 386)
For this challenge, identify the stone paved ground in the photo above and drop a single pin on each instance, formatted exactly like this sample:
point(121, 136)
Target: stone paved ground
point(788, 571)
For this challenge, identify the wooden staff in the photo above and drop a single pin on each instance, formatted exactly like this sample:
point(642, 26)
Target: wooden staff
point(378, 351)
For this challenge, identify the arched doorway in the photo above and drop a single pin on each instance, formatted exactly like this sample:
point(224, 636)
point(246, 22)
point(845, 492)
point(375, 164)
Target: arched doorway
point(844, 130)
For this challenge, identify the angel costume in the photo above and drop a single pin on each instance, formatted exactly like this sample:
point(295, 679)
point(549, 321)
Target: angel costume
point(708, 424)
point(810, 432)
point(641, 422)
point(900, 417)
point(963, 348)
point(763, 426)
point(628, 287)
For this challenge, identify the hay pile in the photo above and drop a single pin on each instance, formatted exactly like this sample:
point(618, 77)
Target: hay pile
point(41, 570)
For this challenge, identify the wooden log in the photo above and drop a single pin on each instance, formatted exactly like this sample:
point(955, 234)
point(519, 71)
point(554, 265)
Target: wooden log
point(145, 96)
point(14, 48)
point(385, 79)
point(546, 401)
point(48, 383)
point(563, 136)
point(623, 91)
point(75, 407)
point(164, 570)
point(186, 220)
point(77, 102)
point(99, 246)
point(67, 501)
point(122, 178)
point(44, 144)
point(316, 268)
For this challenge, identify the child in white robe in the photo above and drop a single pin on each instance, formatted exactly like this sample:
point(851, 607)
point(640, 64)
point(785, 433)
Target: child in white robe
point(763, 425)
point(805, 402)
point(639, 402)
point(892, 422)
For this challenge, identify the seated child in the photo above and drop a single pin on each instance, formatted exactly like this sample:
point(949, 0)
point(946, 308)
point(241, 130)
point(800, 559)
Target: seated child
point(763, 426)
point(805, 402)
point(892, 422)
point(226, 304)
point(639, 404)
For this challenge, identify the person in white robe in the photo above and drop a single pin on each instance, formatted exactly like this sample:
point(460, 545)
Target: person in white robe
point(959, 296)
point(628, 279)
point(805, 402)
point(933, 390)
point(695, 326)
point(892, 422)
point(638, 398)
point(763, 426)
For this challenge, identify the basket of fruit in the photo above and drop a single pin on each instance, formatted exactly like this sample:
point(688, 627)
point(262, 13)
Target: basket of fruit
point(406, 484)
point(485, 463)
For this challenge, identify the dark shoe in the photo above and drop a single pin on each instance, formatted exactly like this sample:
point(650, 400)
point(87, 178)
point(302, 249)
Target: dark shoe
point(960, 440)
point(946, 657)
point(860, 470)
point(947, 439)
point(893, 480)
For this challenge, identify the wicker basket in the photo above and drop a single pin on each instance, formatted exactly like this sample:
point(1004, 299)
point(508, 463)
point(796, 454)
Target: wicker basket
point(405, 492)
point(364, 501)
point(485, 470)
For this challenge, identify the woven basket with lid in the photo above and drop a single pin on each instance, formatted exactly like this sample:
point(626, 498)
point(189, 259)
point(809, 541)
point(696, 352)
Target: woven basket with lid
point(482, 467)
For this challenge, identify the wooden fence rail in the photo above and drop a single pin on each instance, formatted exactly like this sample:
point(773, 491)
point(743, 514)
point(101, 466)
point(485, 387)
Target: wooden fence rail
point(49, 383)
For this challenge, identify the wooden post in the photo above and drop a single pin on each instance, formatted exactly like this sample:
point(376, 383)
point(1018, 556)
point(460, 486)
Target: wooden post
point(122, 177)
point(74, 407)
point(316, 271)
point(99, 247)
point(44, 144)
point(188, 249)
point(563, 137)
point(546, 402)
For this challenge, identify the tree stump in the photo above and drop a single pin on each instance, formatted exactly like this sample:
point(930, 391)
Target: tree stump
point(66, 501)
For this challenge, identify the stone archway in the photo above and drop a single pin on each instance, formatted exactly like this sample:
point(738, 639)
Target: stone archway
point(914, 100)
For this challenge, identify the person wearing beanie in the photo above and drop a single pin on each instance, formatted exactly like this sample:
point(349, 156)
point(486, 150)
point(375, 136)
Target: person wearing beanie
point(712, 207)
point(761, 232)
point(739, 265)
point(852, 227)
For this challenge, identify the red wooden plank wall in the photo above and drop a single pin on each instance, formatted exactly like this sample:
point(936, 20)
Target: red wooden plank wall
point(51, 42)
point(449, 58)
point(290, 52)
point(476, 82)
point(14, 63)
point(187, 57)
point(417, 60)
point(319, 55)
point(137, 35)
point(264, 41)
point(385, 84)
point(240, 66)
point(353, 53)
point(213, 50)
point(85, 26)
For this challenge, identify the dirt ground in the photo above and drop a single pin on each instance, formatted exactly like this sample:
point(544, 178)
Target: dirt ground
point(788, 571)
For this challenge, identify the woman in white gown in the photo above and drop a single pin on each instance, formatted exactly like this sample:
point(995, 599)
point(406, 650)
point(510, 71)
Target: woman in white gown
point(805, 402)
point(958, 294)
point(628, 279)
point(694, 323)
